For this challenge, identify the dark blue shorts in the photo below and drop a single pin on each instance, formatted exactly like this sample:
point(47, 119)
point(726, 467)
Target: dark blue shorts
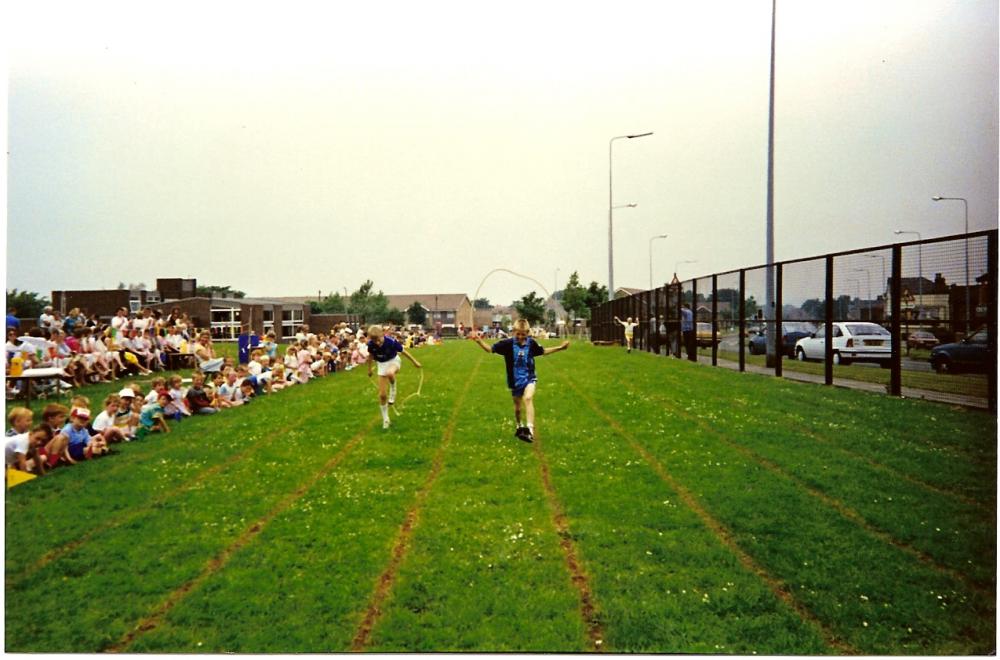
point(78, 452)
point(518, 390)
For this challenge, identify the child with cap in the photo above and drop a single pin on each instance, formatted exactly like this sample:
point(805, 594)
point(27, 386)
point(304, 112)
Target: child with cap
point(126, 419)
point(81, 445)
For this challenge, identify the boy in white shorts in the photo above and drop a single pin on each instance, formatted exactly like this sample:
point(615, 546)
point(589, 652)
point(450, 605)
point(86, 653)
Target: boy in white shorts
point(385, 351)
point(629, 329)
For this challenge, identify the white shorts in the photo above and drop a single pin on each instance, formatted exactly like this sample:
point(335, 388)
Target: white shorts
point(383, 367)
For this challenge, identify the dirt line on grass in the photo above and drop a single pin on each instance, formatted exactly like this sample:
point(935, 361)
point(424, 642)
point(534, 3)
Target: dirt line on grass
point(588, 607)
point(843, 509)
point(387, 579)
point(218, 562)
point(722, 533)
point(133, 513)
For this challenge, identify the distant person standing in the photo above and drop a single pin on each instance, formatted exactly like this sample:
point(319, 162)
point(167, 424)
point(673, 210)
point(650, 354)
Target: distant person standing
point(629, 330)
point(12, 320)
point(687, 331)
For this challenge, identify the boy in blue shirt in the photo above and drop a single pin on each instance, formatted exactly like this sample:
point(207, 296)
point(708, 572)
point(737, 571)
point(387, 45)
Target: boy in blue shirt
point(519, 355)
point(385, 351)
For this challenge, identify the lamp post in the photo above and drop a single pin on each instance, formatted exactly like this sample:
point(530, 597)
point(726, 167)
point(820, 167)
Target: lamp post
point(686, 261)
point(965, 202)
point(651, 258)
point(868, 273)
point(920, 266)
point(611, 207)
point(858, 283)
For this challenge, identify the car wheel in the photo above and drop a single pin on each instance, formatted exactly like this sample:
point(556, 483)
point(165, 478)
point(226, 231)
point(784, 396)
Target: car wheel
point(885, 364)
point(942, 366)
point(839, 360)
point(800, 355)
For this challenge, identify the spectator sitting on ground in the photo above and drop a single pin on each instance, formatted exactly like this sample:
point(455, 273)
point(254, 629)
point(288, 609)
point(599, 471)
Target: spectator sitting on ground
point(177, 407)
point(278, 381)
point(104, 423)
point(19, 420)
point(151, 419)
point(26, 451)
point(82, 445)
point(230, 390)
point(198, 400)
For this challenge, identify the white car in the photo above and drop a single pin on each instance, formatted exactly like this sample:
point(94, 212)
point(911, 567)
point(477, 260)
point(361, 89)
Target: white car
point(853, 341)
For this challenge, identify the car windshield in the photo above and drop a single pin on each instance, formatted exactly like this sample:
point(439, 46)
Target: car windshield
point(866, 329)
point(798, 326)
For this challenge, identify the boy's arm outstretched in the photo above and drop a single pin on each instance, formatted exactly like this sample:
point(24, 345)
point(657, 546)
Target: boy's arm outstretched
point(474, 336)
point(555, 349)
point(411, 358)
point(618, 320)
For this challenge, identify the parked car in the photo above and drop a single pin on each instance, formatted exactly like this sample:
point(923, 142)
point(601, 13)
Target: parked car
point(921, 339)
point(853, 341)
point(791, 333)
point(703, 334)
point(970, 354)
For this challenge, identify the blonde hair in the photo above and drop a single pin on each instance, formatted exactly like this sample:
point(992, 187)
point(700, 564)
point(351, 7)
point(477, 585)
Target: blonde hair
point(375, 331)
point(18, 413)
point(522, 325)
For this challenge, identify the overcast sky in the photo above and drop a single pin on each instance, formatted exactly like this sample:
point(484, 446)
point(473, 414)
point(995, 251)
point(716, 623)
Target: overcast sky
point(422, 145)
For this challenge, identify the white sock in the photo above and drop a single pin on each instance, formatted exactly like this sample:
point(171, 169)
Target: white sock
point(531, 427)
point(385, 412)
point(392, 391)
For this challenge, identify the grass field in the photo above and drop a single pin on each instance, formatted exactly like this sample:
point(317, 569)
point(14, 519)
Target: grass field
point(665, 507)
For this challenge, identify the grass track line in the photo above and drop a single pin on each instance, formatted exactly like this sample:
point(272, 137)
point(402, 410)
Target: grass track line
point(388, 577)
point(588, 607)
point(219, 561)
point(133, 513)
point(721, 532)
point(841, 508)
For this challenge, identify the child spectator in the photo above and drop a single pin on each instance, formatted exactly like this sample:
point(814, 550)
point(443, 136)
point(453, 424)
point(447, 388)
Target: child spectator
point(82, 446)
point(19, 421)
point(156, 385)
point(230, 391)
point(126, 418)
point(104, 423)
point(151, 420)
point(270, 346)
point(177, 407)
point(198, 400)
point(291, 362)
point(26, 451)
point(254, 366)
point(278, 381)
point(304, 362)
point(247, 390)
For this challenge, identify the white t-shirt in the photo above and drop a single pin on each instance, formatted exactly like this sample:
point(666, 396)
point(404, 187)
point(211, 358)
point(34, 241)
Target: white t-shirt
point(103, 421)
point(16, 444)
point(629, 327)
point(255, 367)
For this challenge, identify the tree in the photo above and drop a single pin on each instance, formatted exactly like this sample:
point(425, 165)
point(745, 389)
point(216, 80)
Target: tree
point(550, 318)
point(314, 307)
point(215, 291)
point(750, 307)
point(596, 295)
point(574, 298)
point(332, 304)
point(28, 303)
point(416, 313)
point(482, 303)
point(531, 307)
point(814, 308)
point(372, 306)
point(394, 316)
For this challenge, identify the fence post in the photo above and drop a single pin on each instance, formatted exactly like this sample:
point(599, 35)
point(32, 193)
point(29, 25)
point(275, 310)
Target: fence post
point(895, 359)
point(991, 315)
point(779, 347)
point(743, 322)
point(828, 325)
point(694, 315)
point(715, 320)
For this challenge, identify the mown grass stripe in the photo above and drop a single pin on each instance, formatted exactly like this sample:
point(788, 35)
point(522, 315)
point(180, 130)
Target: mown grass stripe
point(776, 586)
point(137, 511)
point(383, 586)
point(588, 603)
point(248, 535)
point(843, 509)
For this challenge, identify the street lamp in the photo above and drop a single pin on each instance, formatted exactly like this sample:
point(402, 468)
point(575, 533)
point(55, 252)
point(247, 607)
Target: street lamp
point(857, 282)
point(869, 276)
point(938, 198)
point(920, 265)
point(611, 207)
point(651, 258)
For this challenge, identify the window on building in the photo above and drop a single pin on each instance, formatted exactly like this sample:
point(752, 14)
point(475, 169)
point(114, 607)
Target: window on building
point(225, 324)
point(291, 321)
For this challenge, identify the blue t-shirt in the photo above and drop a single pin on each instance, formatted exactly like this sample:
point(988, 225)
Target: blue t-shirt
point(389, 349)
point(687, 320)
point(520, 360)
point(77, 438)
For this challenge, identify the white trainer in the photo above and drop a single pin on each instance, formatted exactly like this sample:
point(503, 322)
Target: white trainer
point(385, 423)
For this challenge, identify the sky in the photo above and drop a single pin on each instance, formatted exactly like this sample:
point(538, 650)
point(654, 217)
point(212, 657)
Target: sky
point(308, 147)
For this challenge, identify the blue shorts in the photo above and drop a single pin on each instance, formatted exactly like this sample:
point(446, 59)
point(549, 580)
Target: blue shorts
point(518, 390)
point(78, 452)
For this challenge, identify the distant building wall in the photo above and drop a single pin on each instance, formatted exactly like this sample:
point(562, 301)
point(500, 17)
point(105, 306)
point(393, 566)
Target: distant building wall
point(101, 302)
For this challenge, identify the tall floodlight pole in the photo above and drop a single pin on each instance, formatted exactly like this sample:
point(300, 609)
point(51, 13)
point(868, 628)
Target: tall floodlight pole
point(868, 275)
point(920, 265)
point(769, 288)
point(611, 207)
point(938, 198)
point(651, 258)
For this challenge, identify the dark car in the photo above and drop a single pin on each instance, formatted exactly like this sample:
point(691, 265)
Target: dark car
point(792, 331)
point(921, 339)
point(970, 354)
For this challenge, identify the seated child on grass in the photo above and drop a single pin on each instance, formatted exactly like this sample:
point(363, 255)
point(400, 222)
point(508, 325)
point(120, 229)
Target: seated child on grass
point(104, 423)
point(26, 451)
point(82, 445)
point(19, 421)
point(177, 407)
point(197, 398)
point(151, 419)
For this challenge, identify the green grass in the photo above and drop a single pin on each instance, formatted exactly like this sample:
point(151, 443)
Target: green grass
point(968, 384)
point(709, 512)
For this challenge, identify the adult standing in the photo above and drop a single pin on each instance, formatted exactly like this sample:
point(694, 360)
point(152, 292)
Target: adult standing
point(12, 320)
point(687, 331)
point(45, 320)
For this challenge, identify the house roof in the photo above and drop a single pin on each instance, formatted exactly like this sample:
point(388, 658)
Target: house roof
point(443, 302)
